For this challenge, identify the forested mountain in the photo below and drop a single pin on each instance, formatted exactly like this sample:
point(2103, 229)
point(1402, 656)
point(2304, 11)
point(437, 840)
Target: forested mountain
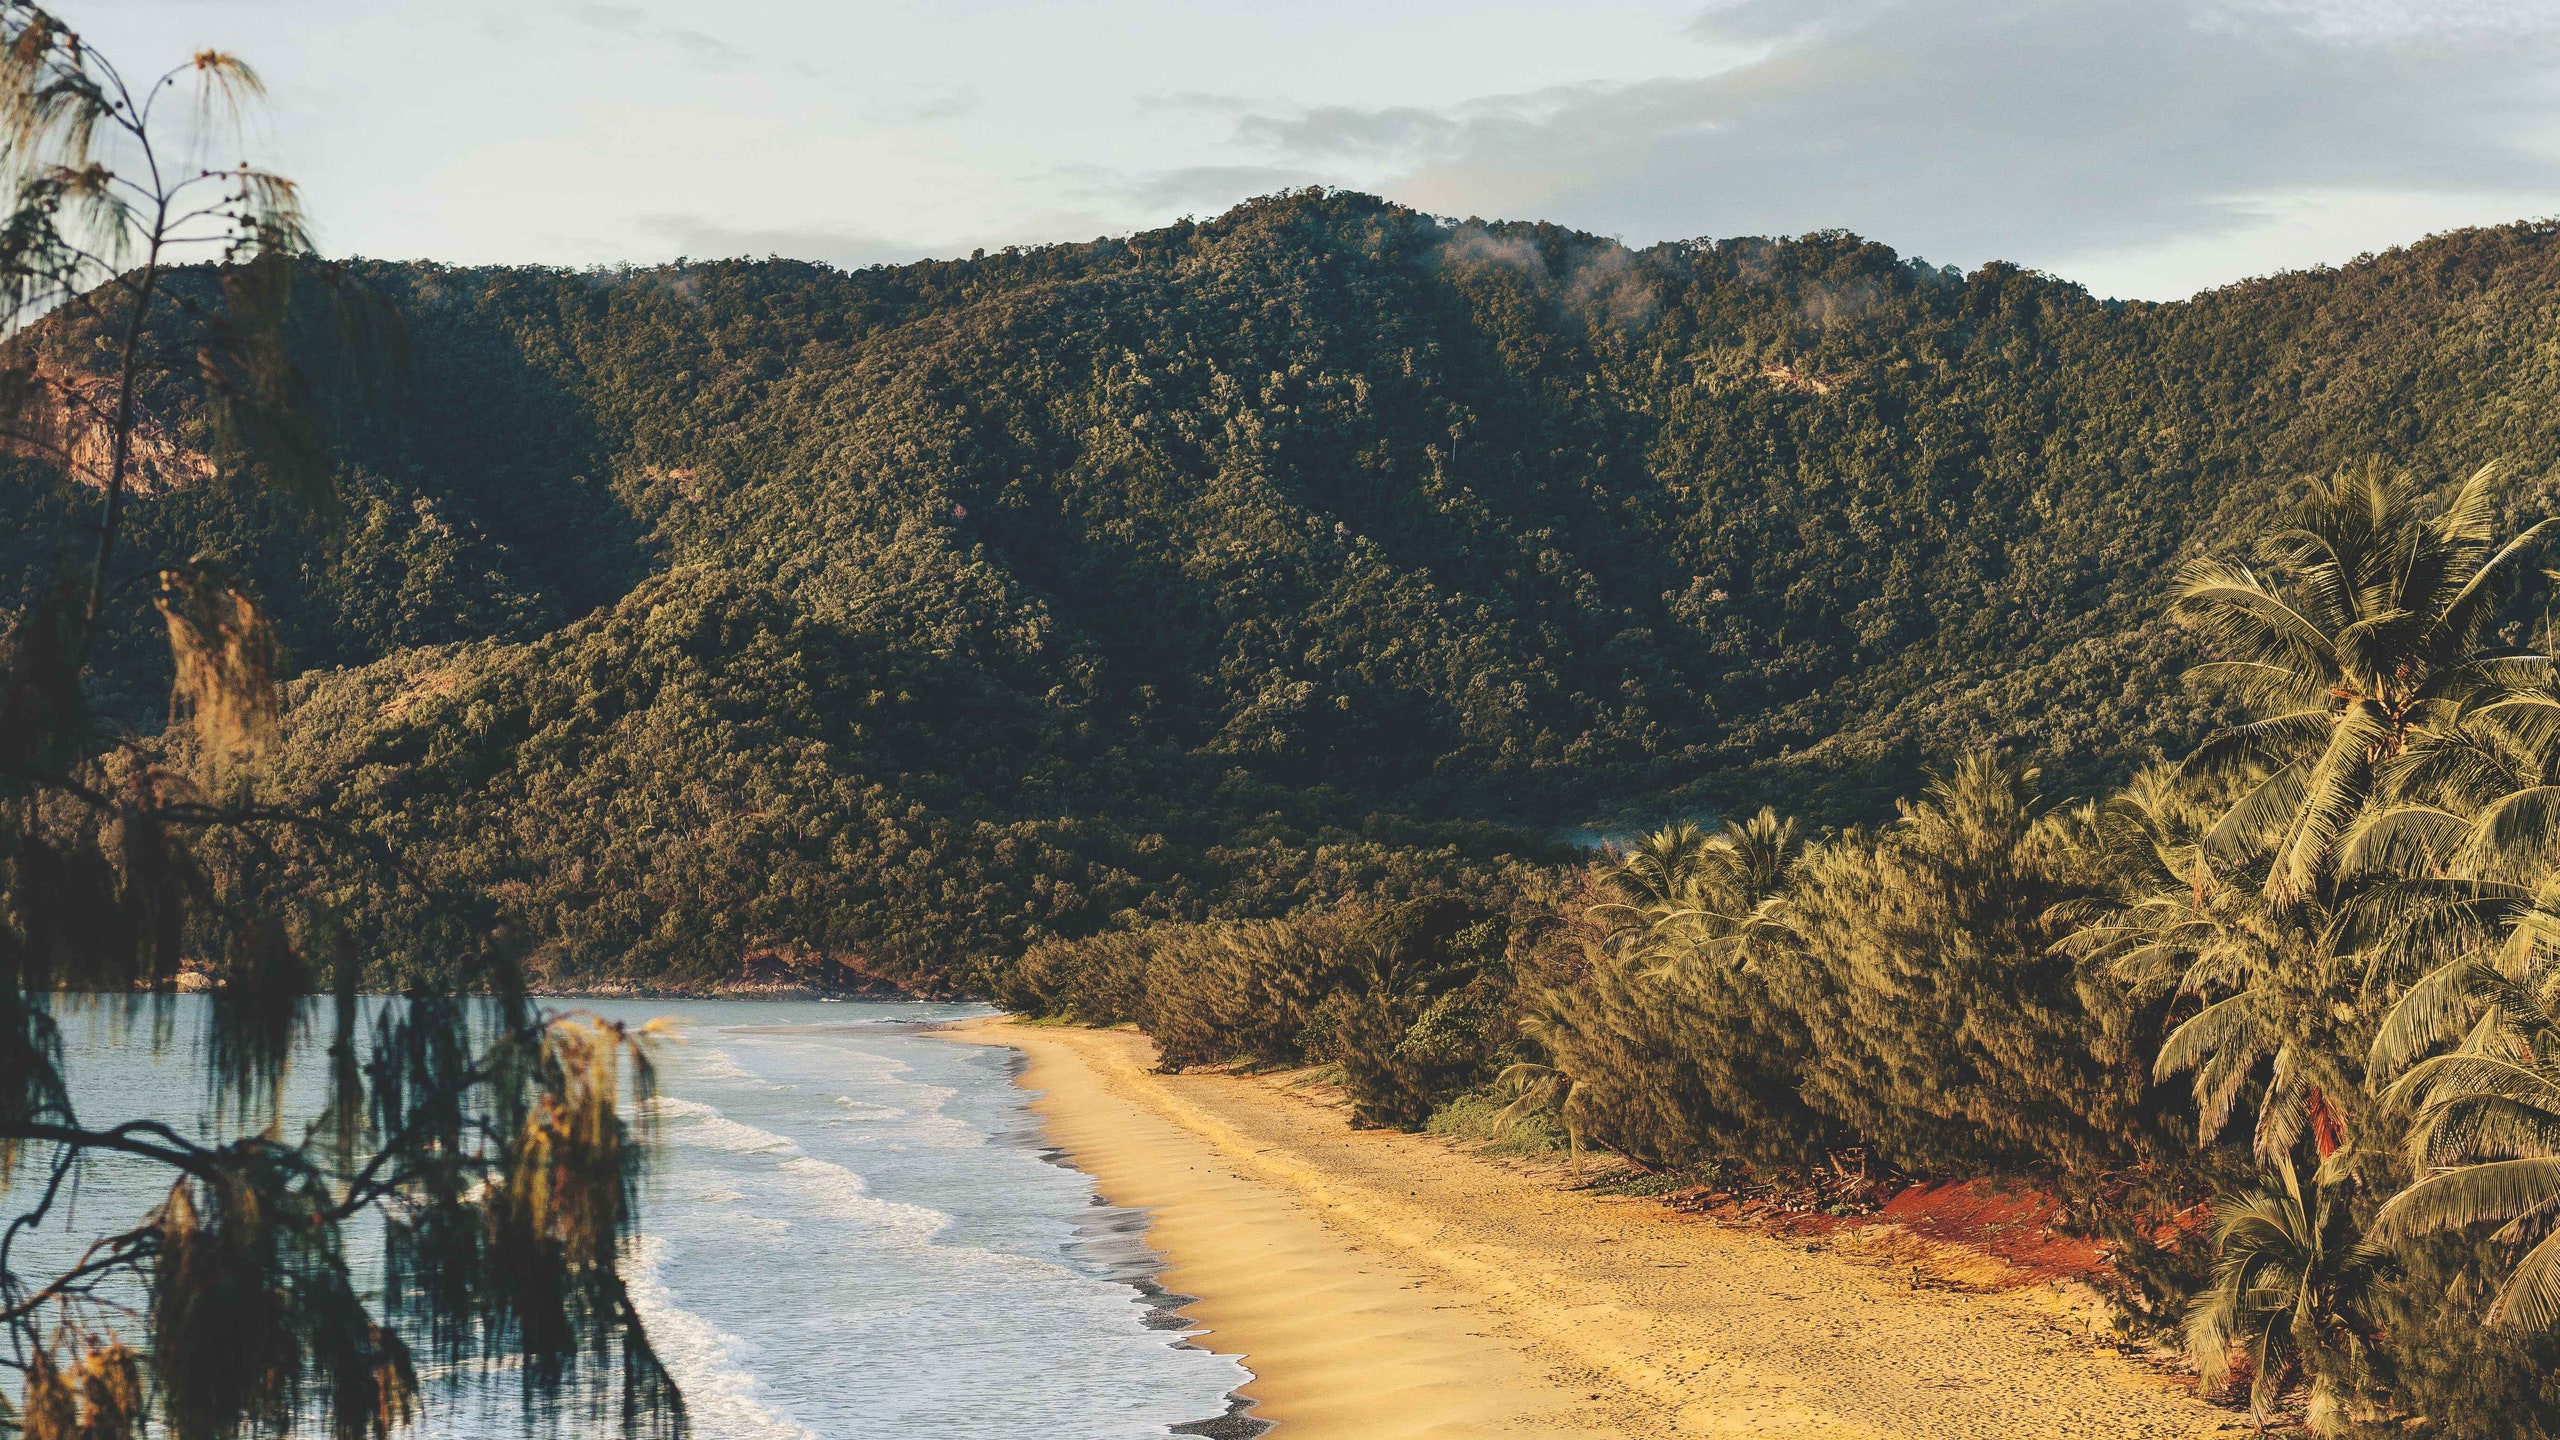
point(896, 618)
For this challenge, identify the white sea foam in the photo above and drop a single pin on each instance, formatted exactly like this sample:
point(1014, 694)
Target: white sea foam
point(719, 1132)
point(717, 1065)
point(704, 1125)
point(671, 1107)
point(849, 1195)
point(919, 1125)
point(842, 1189)
point(920, 1103)
point(709, 1364)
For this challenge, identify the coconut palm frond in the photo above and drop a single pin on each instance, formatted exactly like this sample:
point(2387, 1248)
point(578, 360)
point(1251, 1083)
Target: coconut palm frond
point(2438, 1010)
point(2469, 1195)
point(2389, 842)
point(2241, 611)
point(1541, 1089)
point(2516, 834)
point(2332, 791)
point(2259, 821)
point(2530, 1300)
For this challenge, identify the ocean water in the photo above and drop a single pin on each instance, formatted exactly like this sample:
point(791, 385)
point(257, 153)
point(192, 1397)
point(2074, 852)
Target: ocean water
point(856, 1232)
point(852, 1230)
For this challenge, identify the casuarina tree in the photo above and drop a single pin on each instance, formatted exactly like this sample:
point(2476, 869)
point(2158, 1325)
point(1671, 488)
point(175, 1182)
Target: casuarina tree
point(167, 324)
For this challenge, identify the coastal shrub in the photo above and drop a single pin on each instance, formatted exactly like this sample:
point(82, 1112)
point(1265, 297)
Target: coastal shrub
point(1940, 1024)
point(2435, 1356)
point(1206, 991)
point(1409, 997)
point(1485, 1115)
point(1243, 990)
point(1095, 979)
point(1425, 986)
point(1655, 1008)
point(1654, 1074)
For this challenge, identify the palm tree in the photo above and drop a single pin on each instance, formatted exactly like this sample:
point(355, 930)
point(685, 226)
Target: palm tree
point(2371, 629)
point(2183, 923)
point(2287, 1273)
point(1758, 853)
point(2173, 917)
point(1681, 895)
point(2466, 835)
point(1744, 898)
point(2485, 1137)
point(1649, 880)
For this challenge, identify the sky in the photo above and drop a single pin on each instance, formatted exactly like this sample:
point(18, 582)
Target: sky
point(2145, 150)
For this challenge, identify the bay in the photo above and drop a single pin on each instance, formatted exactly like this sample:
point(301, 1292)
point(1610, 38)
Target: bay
point(852, 1229)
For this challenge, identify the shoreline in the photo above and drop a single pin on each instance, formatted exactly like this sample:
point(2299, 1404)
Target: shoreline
point(1340, 1342)
point(632, 990)
point(1383, 1285)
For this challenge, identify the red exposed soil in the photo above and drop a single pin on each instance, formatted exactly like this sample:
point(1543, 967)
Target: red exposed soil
point(2006, 1223)
point(2016, 1225)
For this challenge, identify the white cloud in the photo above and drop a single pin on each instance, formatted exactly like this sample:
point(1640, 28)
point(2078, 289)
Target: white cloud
point(2146, 149)
point(2053, 132)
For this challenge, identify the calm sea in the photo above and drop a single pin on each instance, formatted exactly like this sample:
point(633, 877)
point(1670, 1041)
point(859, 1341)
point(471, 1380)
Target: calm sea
point(853, 1231)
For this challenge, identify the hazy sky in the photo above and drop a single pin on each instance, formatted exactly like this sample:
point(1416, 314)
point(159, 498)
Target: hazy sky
point(2147, 149)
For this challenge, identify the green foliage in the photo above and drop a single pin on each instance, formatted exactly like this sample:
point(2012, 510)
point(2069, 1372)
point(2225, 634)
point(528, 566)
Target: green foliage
point(1248, 990)
point(1657, 1027)
point(2288, 1273)
point(1730, 995)
point(2272, 984)
point(1482, 1116)
point(2470, 1381)
point(1426, 986)
point(1938, 1021)
point(1319, 523)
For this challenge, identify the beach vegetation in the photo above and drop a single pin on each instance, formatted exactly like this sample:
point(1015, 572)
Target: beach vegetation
point(2289, 1272)
point(1487, 1117)
point(2306, 969)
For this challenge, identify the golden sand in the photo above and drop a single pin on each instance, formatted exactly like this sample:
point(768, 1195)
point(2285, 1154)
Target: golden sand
point(1381, 1285)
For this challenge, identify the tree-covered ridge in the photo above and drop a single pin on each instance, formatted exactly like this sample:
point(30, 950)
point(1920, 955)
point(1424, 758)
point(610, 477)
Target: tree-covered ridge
point(911, 614)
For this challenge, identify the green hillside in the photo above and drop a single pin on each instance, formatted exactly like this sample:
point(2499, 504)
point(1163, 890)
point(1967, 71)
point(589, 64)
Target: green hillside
point(900, 617)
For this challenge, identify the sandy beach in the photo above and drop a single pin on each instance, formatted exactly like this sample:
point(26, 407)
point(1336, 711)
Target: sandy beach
point(1383, 1285)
